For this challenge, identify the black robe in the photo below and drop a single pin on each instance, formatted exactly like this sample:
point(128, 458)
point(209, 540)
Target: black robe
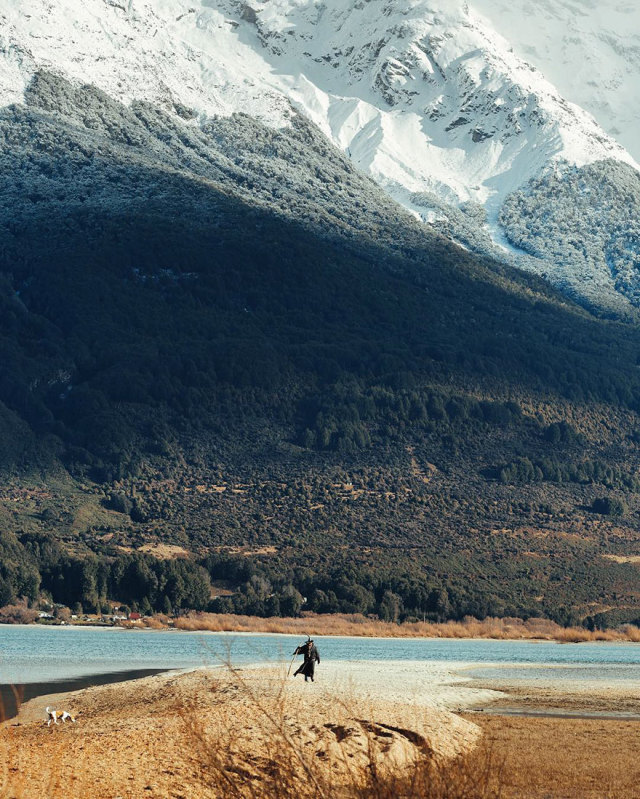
point(311, 657)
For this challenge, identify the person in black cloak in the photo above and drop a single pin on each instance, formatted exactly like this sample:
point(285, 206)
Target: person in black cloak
point(311, 656)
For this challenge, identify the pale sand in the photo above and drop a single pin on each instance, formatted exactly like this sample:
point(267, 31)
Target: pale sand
point(435, 685)
point(586, 700)
point(134, 739)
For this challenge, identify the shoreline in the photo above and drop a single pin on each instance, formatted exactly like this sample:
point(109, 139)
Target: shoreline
point(62, 688)
point(436, 685)
point(448, 688)
point(460, 669)
point(13, 696)
point(457, 688)
point(359, 626)
point(393, 712)
point(284, 634)
point(586, 699)
point(578, 715)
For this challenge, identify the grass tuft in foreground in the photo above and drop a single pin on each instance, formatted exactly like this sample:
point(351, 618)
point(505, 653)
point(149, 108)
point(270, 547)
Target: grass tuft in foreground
point(284, 765)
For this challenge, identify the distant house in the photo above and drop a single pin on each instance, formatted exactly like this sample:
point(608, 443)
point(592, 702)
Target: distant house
point(134, 617)
point(44, 615)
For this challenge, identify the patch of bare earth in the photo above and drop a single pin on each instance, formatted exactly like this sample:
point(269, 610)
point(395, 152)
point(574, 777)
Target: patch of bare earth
point(165, 551)
point(623, 558)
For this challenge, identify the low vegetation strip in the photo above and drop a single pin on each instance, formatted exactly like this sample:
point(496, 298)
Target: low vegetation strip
point(357, 625)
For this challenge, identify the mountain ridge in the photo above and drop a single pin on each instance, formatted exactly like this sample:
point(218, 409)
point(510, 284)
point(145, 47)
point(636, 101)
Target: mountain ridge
point(427, 100)
point(219, 335)
point(347, 50)
point(590, 53)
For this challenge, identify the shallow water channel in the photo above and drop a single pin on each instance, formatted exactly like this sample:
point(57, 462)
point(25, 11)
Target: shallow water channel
point(36, 657)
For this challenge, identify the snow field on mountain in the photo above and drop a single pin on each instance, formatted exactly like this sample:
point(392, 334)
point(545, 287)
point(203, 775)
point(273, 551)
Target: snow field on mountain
point(161, 51)
point(421, 94)
point(589, 50)
point(424, 96)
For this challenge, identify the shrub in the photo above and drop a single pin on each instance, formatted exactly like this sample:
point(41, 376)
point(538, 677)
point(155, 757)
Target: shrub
point(609, 506)
point(17, 614)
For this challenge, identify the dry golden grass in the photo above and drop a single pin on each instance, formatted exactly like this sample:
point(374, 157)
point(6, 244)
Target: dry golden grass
point(230, 735)
point(357, 625)
point(285, 765)
point(164, 551)
point(292, 774)
point(547, 758)
point(623, 558)
point(155, 623)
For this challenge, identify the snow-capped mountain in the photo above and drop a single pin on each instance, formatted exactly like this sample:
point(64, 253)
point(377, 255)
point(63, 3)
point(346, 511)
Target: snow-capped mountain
point(589, 51)
point(423, 95)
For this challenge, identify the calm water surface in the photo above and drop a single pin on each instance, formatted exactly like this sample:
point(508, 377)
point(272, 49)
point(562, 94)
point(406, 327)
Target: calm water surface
point(32, 654)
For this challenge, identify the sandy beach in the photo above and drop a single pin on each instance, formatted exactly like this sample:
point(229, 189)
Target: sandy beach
point(141, 738)
point(584, 698)
point(180, 735)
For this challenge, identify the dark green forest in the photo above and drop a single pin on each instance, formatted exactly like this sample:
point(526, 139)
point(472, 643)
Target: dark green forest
point(324, 405)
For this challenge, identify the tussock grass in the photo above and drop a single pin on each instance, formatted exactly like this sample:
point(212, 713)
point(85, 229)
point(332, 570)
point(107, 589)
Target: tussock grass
point(153, 623)
point(357, 625)
point(283, 765)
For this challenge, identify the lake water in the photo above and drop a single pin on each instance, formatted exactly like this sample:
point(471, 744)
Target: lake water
point(33, 654)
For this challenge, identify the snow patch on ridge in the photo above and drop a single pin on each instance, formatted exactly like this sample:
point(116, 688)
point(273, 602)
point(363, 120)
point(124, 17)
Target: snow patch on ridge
point(164, 51)
point(590, 51)
point(422, 94)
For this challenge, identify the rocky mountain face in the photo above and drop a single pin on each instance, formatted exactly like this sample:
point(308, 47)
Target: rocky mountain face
point(589, 51)
point(426, 97)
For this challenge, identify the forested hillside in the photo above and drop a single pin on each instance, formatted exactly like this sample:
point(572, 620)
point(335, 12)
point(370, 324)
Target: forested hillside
point(237, 376)
point(585, 222)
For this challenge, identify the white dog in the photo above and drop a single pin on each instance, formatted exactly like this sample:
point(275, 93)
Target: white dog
point(54, 715)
